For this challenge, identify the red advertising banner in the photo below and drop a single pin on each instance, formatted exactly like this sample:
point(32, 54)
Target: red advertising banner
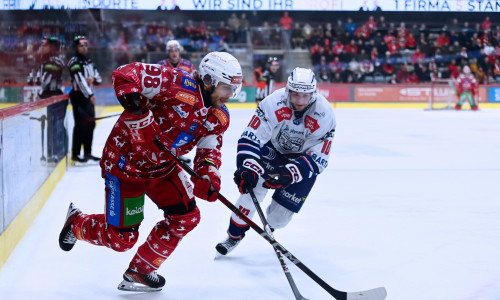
point(420, 93)
point(332, 92)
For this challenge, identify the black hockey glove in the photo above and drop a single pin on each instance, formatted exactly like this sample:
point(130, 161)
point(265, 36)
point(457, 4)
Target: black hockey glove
point(284, 176)
point(247, 175)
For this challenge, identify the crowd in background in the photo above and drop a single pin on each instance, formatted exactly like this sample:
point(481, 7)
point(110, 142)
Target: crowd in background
point(400, 53)
point(369, 50)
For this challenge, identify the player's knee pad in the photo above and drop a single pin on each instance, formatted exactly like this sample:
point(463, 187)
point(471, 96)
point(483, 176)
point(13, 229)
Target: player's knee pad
point(120, 240)
point(180, 225)
point(278, 216)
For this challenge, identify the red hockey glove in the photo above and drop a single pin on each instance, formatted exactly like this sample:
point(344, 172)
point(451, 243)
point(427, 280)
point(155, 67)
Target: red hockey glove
point(247, 175)
point(143, 130)
point(284, 176)
point(208, 187)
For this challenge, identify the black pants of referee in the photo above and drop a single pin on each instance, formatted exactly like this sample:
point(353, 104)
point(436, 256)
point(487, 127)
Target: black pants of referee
point(83, 132)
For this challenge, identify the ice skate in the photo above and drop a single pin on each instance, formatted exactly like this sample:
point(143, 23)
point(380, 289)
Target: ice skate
point(227, 245)
point(67, 238)
point(90, 157)
point(135, 282)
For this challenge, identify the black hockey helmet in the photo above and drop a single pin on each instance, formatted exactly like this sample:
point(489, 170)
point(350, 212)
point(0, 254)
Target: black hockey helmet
point(51, 41)
point(272, 61)
point(80, 40)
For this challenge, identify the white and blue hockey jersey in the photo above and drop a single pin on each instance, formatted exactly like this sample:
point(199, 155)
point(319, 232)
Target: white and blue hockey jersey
point(303, 136)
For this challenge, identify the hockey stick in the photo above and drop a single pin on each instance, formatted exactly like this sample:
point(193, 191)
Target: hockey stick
point(288, 275)
point(373, 294)
point(105, 117)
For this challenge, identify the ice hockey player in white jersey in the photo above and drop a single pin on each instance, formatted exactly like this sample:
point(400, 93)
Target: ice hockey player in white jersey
point(284, 147)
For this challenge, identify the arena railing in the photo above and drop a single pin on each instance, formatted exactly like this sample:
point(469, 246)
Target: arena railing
point(33, 149)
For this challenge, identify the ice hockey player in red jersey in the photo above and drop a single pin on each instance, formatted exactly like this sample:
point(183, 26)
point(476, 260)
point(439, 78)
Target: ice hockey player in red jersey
point(165, 104)
point(466, 89)
point(174, 59)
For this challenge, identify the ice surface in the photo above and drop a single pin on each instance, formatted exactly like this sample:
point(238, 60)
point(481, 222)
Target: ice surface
point(410, 201)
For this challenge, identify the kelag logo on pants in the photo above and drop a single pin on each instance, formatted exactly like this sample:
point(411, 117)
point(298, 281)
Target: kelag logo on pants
point(133, 211)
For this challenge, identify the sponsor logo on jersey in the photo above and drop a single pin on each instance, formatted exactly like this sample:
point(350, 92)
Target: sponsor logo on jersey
point(222, 114)
point(320, 161)
point(135, 211)
point(289, 144)
point(292, 197)
point(188, 83)
point(193, 127)
point(122, 162)
point(284, 113)
point(182, 140)
point(113, 200)
point(249, 135)
point(179, 110)
point(186, 98)
point(293, 131)
point(311, 124)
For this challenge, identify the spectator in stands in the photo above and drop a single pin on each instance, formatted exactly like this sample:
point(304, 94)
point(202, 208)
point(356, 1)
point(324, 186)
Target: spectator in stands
point(84, 78)
point(362, 32)
point(244, 27)
point(422, 72)
point(453, 69)
point(234, 28)
point(417, 56)
point(307, 31)
point(403, 75)
point(322, 71)
point(350, 26)
point(486, 24)
point(286, 24)
point(297, 38)
point(339, 29)
point(388, 66)
point(371, 24)
point(336, 66)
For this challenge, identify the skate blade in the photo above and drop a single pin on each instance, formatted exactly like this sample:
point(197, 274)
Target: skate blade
point(136, 287)
point(218, 255)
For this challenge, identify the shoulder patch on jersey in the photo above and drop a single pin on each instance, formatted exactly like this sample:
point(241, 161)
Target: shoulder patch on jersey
point(222, 114)
point(311, 124)
point(186, 98)
point(188, 83)
point(284, 113)
point(75, 67)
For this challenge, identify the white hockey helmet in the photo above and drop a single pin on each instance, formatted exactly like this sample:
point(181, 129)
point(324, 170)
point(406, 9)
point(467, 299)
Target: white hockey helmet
point(301, 80)
point(466, 69)
point(173, 44)
point(218, 67)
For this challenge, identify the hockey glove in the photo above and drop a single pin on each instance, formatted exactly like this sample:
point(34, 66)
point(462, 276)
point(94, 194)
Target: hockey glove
point(247, 175)
point(143, 131)
point(284, 176)
point(208, 186)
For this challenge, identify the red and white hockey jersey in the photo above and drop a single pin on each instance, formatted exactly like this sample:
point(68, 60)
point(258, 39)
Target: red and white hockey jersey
point(184, 65)
point(466, 83)
point(177, 105)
